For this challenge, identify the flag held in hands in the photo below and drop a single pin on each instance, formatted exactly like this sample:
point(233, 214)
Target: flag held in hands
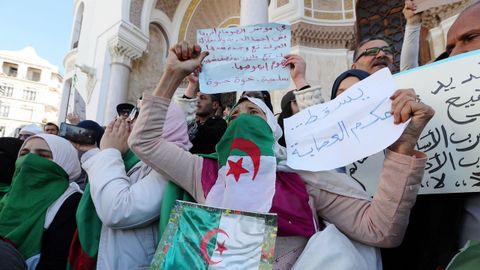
point(202, 237)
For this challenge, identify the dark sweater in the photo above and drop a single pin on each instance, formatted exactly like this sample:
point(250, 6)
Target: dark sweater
point(205, 137)
point(57, 238)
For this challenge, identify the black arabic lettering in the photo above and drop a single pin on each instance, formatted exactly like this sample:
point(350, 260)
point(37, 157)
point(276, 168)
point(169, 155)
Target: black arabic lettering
point(476, 177)
point(452, 102)
point(431, 143)
point(472, 146)
point(438, 162)
point(442, 85)
point(462, 164)
point(440, 181)
point(470, 78)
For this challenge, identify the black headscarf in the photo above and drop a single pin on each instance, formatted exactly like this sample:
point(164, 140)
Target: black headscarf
point(92, 125)
point(9, 148)
point(360, 74)
point(286, 112)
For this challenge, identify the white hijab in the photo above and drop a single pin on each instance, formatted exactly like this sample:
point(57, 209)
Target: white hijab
point(63, 153)
point(280, 151)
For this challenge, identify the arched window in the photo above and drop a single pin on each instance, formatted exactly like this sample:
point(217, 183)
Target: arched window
point(382, 18)
point(77, 26)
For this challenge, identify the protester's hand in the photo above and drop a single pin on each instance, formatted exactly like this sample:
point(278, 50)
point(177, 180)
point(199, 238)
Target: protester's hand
point(297, 69)
point(192, 87)
point(73, 118)
point(116, 135)
point(406, 105)
point(409, 13)
point(185, 58)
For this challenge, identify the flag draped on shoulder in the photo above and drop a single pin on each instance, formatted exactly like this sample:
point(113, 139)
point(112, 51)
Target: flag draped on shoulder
point(84, 247)
point(202, 237)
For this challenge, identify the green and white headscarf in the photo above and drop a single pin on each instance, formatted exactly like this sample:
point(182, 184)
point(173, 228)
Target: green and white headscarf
point(247, 157)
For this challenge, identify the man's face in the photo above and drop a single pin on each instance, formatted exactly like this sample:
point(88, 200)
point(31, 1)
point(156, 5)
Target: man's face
point(464, 35)
point(373, 62)
point(51, 129)
point(205, 105)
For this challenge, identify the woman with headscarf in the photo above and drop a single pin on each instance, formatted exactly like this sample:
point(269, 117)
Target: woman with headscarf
point(347, 79)
point(261, 182)
point(127, 196)
point(37, 215)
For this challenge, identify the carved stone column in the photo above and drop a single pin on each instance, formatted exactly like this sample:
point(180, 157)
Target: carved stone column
point(127, 46)
point(253, 11)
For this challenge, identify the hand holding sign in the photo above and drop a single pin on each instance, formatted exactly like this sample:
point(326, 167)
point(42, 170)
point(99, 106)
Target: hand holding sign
point(405, 107)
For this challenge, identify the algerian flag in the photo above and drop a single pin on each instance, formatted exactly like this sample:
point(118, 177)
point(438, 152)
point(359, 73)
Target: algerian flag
point(202, 237)
point(246, 178)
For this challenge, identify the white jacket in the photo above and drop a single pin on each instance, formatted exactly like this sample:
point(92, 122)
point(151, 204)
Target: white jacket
point(128, 204)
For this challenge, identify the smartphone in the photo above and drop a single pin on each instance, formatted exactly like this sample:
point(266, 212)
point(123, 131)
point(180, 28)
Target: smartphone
point(76, 134)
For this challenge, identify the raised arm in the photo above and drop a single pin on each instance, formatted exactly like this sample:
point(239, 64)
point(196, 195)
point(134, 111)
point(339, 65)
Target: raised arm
point(146, 139)
point(411, 39)
point(383, 221)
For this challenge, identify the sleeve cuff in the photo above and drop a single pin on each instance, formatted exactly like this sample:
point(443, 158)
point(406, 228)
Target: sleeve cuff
point(418, 159)
point(309, 97)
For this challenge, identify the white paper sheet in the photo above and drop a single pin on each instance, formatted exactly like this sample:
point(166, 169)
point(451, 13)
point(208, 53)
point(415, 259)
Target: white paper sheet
point(356, 124)
point(245, 58)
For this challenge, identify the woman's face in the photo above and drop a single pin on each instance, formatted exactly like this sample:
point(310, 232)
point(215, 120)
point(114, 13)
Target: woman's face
point(247, 107)
point(346, 83)
point(36, 146)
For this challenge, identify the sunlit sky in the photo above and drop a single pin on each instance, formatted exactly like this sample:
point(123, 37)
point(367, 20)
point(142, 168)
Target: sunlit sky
point(43, 24)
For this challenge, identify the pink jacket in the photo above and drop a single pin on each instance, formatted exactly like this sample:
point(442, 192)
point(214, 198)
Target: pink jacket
point(380, 222)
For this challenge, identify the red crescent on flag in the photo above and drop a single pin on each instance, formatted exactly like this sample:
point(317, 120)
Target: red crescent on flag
point(251, 149)
point(204, 243)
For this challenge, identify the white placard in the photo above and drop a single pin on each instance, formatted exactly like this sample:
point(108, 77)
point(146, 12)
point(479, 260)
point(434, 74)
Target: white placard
point(451, 139)
point(245, 58)
point(354, 125)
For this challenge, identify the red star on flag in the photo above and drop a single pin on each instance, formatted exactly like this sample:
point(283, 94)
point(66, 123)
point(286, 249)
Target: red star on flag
point(236, 168)
point(221, 247)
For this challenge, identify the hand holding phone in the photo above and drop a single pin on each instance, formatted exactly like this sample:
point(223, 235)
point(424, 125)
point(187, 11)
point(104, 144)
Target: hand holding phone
point(77, 135)
point(116, 135)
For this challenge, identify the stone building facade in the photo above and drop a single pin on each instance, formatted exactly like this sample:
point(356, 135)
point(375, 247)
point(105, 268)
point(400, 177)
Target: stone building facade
point(30, 90)
point(119, 47)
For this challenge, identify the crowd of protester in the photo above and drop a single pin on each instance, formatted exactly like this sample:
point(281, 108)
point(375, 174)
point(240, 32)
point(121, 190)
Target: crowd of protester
point(67, 204)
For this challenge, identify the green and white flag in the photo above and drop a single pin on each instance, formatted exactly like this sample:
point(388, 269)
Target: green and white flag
point(246, 178)
point(202, 237)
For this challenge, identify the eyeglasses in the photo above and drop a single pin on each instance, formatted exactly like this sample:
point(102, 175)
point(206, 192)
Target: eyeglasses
point(375, 50)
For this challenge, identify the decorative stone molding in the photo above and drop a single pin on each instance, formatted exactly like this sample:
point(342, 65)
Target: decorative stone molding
point(129, 44)
point(168, 7)
point(281, 3)
point(433, 17)
point(136, 7)
point(320, 36)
